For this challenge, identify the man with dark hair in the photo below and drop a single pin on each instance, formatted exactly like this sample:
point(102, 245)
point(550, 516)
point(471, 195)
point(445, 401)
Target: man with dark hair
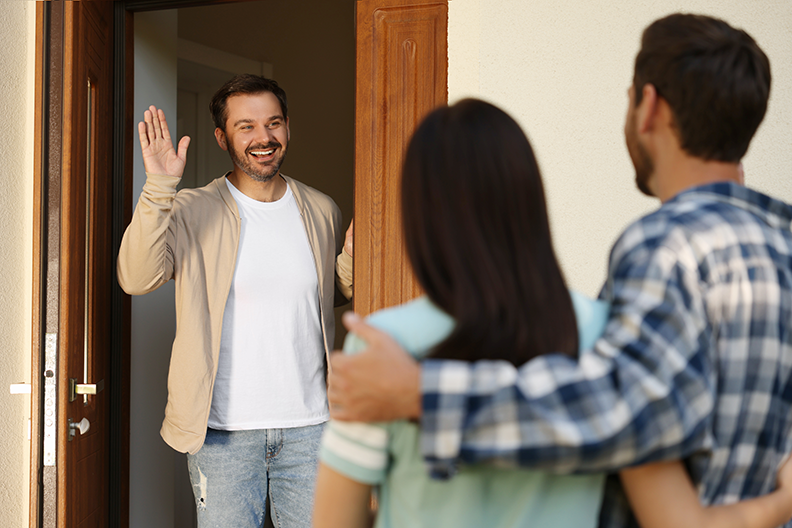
point(258, 263)
point(696, 360)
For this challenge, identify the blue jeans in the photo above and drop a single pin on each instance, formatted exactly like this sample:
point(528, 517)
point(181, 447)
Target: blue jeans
point(231, 473)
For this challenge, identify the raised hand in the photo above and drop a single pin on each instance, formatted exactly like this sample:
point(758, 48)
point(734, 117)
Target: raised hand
point(159, 156)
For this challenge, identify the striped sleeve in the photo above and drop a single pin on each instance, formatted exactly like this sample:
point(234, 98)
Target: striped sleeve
point(356, 450)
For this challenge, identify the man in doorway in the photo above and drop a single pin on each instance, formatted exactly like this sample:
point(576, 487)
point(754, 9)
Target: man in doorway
point(696, 360)
point(258, 263)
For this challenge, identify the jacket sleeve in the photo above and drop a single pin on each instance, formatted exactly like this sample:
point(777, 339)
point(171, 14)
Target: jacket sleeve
point(145, 259)
point(644, 392)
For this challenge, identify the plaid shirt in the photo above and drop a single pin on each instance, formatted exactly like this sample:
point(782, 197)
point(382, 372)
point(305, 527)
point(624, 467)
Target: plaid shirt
point(695, 363)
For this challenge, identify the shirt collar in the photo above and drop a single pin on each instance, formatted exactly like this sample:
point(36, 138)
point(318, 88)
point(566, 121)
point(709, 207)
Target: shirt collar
point(775, 213)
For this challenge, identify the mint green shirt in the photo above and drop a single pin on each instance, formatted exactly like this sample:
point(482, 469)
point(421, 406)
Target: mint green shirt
point(389, 454)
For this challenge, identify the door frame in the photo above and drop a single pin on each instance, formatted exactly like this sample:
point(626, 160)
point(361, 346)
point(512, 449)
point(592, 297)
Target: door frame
point(46, 232)
point(54, 64)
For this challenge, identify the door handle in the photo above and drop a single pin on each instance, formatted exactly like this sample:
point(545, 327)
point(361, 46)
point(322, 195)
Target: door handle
point(82, 426)
point(83, 388)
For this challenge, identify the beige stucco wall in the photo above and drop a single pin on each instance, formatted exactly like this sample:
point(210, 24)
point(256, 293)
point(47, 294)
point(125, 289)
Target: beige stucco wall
point(562, 69)
point(17, 30)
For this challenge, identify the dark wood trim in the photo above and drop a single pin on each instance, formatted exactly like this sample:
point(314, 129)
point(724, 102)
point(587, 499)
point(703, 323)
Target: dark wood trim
point(156, 5)
point(123, 69)
point(39, 232)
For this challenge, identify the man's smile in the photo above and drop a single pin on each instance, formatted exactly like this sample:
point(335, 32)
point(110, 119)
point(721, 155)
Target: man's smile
point(263, 153)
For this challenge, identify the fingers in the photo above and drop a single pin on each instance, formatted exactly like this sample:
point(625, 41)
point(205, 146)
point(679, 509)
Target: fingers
point(337, 393)
point(146, 129)
point(155, 122)
point(183, 144)
point(163, 124)
point(144, 139)
point(337, 383)
point(156, 126)
point(367, 333)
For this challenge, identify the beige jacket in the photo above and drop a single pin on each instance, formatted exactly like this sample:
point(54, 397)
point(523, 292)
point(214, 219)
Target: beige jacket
point(192, 237)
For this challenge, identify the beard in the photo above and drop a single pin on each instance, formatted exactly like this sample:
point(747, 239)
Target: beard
point(644, 166)
point(257, 172)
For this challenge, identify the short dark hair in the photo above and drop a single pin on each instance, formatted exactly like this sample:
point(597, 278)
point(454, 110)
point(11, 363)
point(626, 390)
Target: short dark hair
point(245, 83)
point(478, 236)
point(714, 77)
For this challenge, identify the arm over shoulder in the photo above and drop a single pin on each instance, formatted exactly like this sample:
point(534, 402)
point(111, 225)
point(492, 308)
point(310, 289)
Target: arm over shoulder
point(641, 393)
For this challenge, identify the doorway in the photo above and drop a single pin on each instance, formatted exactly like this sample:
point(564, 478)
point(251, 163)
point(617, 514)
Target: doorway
point(398, 48)
point(181, 57)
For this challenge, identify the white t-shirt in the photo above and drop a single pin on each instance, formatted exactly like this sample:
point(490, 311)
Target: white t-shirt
point(270, 373)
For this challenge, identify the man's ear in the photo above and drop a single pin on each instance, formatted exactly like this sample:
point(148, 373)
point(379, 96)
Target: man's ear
point(288, 132)
point(221, 139)
point(646, 113)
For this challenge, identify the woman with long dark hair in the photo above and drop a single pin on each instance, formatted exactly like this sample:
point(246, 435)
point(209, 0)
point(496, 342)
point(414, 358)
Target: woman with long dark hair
point(478, 239)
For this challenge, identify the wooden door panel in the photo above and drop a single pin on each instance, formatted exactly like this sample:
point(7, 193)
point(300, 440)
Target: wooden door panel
point(402, 65)
point(85, 262)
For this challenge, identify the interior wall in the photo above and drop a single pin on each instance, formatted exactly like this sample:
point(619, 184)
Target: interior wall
point(562, 69)
point(155, 469)
point(311, 47)
point(17, 130)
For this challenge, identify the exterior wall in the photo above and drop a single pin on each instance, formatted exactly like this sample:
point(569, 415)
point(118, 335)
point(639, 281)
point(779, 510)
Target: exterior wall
point(562, 69)
point(17, 66)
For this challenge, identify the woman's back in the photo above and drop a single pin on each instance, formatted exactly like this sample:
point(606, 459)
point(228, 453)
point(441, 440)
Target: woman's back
point(389, 454)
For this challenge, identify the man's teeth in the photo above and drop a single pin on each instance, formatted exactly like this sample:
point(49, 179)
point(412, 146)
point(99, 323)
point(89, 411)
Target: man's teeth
point(262, 152)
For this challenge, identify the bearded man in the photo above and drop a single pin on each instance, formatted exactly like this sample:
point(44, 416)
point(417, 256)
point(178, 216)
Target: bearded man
point(258, 263)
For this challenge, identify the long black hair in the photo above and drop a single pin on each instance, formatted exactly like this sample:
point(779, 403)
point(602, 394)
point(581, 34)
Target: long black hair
point(478, 237)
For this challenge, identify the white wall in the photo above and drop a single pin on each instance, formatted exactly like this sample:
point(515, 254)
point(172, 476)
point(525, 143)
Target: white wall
point(562, 69)
point(17, 67)
point(157, 472)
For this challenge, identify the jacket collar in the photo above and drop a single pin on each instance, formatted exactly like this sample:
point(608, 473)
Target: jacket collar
point(225, 194)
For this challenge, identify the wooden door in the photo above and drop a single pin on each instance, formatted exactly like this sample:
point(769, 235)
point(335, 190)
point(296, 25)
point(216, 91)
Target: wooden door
point(401, 74)
point(74, 184)
point(86, 271)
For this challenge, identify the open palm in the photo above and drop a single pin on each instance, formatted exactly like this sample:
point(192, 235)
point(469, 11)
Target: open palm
point(159, 156)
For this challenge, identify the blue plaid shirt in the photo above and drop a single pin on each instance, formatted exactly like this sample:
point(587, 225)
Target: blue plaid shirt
point(695, 363)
